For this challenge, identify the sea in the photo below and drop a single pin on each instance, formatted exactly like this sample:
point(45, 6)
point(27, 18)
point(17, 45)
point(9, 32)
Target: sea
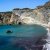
point(10, 35)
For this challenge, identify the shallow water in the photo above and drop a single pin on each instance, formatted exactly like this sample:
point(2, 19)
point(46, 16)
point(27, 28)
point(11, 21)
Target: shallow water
point(25, 32)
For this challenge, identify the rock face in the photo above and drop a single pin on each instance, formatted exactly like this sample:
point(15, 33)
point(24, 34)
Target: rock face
point(40, 15)
point(22, 15)
point(5, 17)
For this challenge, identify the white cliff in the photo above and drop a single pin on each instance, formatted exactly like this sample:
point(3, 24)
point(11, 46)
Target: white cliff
point(40, 15)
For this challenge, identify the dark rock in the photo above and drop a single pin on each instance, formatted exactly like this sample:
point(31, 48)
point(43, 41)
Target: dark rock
point(9, 31)
point(19, 23)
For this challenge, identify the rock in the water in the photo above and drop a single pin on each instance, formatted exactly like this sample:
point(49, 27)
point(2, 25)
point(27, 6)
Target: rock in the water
point(9, 31)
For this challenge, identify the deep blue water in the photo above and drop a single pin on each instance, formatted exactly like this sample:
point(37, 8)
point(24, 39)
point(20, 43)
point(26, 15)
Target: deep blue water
point(8, 40)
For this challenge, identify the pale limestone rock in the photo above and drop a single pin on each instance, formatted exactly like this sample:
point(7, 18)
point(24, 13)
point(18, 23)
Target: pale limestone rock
point(36, 16)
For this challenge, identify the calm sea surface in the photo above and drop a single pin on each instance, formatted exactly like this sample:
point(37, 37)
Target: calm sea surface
point(18, 31)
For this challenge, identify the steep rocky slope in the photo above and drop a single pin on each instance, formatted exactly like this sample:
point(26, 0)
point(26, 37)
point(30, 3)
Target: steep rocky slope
point(30, 16)
point(39, 15)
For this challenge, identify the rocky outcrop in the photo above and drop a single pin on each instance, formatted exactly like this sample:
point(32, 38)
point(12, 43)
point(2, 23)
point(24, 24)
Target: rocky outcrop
point(32, 16)
point(5, 17)
point(21, 15)
point(39, 15)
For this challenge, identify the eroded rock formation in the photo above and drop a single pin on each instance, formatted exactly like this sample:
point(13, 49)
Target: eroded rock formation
point(39, 15)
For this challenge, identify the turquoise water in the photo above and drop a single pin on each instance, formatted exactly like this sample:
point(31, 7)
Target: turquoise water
point(18, 31)
point(22, 30)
